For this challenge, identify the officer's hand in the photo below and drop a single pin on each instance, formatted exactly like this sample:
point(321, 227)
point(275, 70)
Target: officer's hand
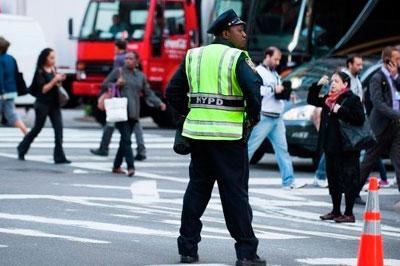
point(163, 107)
point(323, 81)
point(279, 88)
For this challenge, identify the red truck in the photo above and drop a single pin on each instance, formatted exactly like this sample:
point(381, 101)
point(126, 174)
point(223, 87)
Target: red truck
point(160, 31)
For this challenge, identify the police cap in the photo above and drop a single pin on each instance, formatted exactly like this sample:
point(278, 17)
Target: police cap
point(224, 21)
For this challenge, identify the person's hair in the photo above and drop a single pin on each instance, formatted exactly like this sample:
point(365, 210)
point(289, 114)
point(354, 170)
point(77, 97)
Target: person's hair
point(43, 58)
point(387, 52)
point(344, 77)
point(271, 50)
point(350, 59)
point(121, 44)
point(133, 53)
point(4, 44)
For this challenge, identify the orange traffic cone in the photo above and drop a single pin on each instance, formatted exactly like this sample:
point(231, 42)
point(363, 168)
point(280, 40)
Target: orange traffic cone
point(371, 248)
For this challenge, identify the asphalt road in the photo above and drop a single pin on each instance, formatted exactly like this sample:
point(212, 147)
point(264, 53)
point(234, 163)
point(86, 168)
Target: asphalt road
point(82, 214)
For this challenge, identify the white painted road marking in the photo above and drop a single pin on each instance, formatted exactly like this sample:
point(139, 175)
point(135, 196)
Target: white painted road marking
point(342, 262)
point(35, 233)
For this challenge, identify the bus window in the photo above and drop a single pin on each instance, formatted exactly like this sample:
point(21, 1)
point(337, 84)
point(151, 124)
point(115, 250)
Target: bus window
point(175, 18)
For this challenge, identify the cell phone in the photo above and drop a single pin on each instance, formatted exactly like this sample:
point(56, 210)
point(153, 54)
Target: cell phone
point(387, 61)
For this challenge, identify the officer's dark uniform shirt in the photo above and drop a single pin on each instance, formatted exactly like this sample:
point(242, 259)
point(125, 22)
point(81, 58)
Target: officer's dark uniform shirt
point(249, 81)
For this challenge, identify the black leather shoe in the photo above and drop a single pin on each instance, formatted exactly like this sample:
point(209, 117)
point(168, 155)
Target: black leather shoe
point(65, 161)
point(189, 259)
point(257, 261)
point(140, 157)
point(99, 152)
point(21, 156)
point(330, 216)
point(345, 219)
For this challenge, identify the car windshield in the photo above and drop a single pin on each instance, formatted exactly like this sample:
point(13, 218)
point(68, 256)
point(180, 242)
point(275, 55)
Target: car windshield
point(108, 20)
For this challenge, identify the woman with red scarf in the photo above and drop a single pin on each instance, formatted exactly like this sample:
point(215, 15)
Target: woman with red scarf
point(342, 167)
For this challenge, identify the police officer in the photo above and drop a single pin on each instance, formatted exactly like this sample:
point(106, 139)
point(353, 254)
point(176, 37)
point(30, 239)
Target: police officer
point(218, 91)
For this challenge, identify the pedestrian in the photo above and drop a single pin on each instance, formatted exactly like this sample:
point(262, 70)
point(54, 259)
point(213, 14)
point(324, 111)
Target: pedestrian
point(342, 166)
point(216, 87)
point(271, 125)
point(44, 86)
point(131, 83)
point(108, 129)
point(8, 87)
point(385, 114)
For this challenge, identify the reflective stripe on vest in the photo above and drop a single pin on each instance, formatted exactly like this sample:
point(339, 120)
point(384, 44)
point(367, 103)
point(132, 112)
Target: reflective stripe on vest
point(216, 100)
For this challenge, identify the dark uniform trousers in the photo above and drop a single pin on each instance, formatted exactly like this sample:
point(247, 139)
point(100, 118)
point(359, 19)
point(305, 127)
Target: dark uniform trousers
point(388, 140)
point(227, 163)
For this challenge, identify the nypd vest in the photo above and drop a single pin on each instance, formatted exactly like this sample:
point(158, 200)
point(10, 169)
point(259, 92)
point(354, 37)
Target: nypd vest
point(215, 99)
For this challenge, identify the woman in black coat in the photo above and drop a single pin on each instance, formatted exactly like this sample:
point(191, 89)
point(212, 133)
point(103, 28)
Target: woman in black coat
point(45, 88)
point(342, 166)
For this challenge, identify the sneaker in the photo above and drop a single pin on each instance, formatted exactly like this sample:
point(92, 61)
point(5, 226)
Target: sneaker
point(140, 157)
point(295, 185)
point(131, 172)
point(320, 183)
point(359, 201)
point(189, 259)
point(257, 261)
point(99, 152)
point(384, 183)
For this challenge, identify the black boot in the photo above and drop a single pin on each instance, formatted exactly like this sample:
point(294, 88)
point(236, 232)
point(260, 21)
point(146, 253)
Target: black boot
point(256, 261)
point(189, 259)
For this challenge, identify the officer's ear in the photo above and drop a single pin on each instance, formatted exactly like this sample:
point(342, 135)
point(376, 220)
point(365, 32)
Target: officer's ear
point(225, 34)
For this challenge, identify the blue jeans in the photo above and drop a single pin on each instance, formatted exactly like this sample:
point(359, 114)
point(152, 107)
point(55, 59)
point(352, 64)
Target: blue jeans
point(320, 174)
point(274, 130)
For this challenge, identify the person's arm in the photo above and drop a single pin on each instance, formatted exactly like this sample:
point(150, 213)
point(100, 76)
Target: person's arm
point(111, 78)
point(352, 111)
point(377, 98)
point(313, 97)
point(177, 91)
point(250, 82)
point(151, 98)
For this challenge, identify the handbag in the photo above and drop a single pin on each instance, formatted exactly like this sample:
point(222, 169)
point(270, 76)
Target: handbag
point(356, 137)
point(22, 89)
point(63, 96)
point(181, 143)
point(116, 107)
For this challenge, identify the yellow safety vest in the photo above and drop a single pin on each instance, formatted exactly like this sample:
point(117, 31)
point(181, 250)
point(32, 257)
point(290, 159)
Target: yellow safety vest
point(215, 100)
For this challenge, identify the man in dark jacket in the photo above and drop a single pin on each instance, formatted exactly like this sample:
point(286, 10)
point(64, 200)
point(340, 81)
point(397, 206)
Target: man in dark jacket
point(219, 148)
point(385, 114)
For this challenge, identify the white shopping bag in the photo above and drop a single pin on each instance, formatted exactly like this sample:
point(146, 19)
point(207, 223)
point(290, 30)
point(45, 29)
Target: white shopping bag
point(116, 109)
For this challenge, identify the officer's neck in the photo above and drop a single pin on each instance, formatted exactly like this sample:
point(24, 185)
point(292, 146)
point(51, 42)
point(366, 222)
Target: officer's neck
point(220, 40)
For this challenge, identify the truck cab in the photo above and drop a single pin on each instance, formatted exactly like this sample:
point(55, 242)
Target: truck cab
point(160, 31)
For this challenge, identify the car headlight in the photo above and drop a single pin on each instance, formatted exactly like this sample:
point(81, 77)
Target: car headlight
point(299, 113)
